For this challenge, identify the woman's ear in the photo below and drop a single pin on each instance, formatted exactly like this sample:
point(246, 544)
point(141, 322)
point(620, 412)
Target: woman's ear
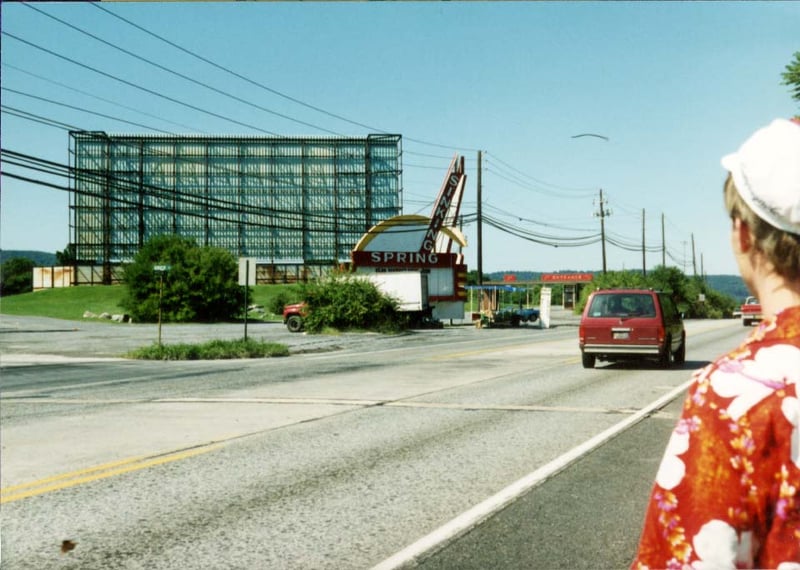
point(742, 238)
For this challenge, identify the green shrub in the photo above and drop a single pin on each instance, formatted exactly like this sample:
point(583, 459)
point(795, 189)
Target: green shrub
point(685, 291)
point(201, 284)
point(281, 299)
point(609, 280)
point(345, 302)
point(16, 276)
point(212, 350)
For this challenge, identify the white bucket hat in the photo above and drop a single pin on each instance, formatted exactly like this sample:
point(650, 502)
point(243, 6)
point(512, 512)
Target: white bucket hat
point(766, 171)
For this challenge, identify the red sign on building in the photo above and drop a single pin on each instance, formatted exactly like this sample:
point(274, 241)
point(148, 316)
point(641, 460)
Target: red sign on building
point(567, 277)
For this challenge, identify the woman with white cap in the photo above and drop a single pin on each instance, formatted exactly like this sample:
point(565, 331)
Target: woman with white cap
point(727, 492)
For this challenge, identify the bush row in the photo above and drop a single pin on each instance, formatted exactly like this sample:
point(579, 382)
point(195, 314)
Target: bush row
point(212, 350)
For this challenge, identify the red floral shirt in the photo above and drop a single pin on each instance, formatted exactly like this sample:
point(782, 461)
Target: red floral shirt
point(727, 493)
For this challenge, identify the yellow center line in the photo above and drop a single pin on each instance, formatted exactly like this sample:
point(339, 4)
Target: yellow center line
point(71, 475)
point(75, 478)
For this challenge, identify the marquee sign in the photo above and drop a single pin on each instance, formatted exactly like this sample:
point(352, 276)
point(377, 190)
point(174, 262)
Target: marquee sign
point(423, 244)
point(407, 259)
point(452, 183)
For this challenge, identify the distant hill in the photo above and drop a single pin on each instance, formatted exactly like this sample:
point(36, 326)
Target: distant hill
point(732, 285)
point(40, 258)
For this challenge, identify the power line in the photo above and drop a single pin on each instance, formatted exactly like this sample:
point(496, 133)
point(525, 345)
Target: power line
point(95, 96)
point(218, 168)
point(185, 204)
point(205, 60)
point(74, 108)
point(37, 118)
point(123, 189)
point(181, 75)
point(531, 221)
point(267, 88)
point(583, 192)
point(544, 239)
point(135, 86)
point(500, 171)
point(122, 186)
point(528, 187)
point(233, 73)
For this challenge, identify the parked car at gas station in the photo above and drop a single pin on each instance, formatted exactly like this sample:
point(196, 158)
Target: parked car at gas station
point(513, 316)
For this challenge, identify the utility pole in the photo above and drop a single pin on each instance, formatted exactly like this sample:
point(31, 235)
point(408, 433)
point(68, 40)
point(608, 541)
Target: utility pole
point(684, 257)
point(480, 220)
point(663, 243)
point(694, 259)
point(602, 213)
point(644, 258)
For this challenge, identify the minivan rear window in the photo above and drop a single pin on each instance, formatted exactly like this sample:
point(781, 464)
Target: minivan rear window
point(622, 305)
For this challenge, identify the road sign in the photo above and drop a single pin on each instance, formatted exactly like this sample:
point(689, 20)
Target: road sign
point(247, 271)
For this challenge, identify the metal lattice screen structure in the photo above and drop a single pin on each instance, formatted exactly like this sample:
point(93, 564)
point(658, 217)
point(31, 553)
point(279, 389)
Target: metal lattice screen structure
point(282, 200)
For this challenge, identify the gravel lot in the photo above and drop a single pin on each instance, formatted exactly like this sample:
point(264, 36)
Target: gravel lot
point(103, 339)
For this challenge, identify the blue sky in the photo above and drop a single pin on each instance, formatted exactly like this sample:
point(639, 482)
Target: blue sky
point(672, 86)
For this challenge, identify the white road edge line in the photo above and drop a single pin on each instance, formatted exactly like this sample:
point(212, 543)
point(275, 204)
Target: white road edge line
point(469, 519)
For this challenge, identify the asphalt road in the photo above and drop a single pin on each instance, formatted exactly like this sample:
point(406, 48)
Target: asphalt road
point(587, 517)
point(340, 456)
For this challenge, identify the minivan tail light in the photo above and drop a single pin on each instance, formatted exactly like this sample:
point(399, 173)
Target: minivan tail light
point(662, 334)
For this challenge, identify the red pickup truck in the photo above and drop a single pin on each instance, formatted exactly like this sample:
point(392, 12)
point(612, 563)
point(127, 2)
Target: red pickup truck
point(293, 316)
point(751, 311)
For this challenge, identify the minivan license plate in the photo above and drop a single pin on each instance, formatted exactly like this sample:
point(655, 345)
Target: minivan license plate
point(621, 335)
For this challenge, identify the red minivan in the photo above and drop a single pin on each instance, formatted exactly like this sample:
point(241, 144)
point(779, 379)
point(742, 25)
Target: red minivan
point(629, 324)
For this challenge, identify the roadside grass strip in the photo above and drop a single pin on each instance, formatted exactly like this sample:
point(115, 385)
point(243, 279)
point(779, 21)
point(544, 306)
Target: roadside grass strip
point(90, 474)
point(211, 350)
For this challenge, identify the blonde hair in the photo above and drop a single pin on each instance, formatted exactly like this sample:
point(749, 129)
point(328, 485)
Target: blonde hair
point(782, 249)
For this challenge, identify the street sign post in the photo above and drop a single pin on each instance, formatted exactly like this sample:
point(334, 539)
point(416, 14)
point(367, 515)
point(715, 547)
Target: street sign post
point(246, 279)
point(161, 270)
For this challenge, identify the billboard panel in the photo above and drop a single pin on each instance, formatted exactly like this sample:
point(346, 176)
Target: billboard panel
point(274, 198)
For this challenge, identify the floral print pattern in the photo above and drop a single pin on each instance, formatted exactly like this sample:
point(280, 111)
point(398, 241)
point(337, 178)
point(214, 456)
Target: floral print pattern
point(727, 492)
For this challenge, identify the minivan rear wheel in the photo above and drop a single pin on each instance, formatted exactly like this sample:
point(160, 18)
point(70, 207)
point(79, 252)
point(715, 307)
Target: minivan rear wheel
point(588, 360)
point(680, 355)
point(665, 360)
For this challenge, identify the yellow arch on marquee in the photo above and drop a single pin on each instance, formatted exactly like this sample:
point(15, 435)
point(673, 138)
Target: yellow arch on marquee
point(408, 220)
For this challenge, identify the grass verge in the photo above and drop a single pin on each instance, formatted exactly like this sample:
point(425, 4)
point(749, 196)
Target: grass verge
point(70, 303)
point(212, 350)
point(65, 303)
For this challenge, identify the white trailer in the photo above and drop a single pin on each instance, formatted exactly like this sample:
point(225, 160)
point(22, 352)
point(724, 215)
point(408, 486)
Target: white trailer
point(408, 288)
